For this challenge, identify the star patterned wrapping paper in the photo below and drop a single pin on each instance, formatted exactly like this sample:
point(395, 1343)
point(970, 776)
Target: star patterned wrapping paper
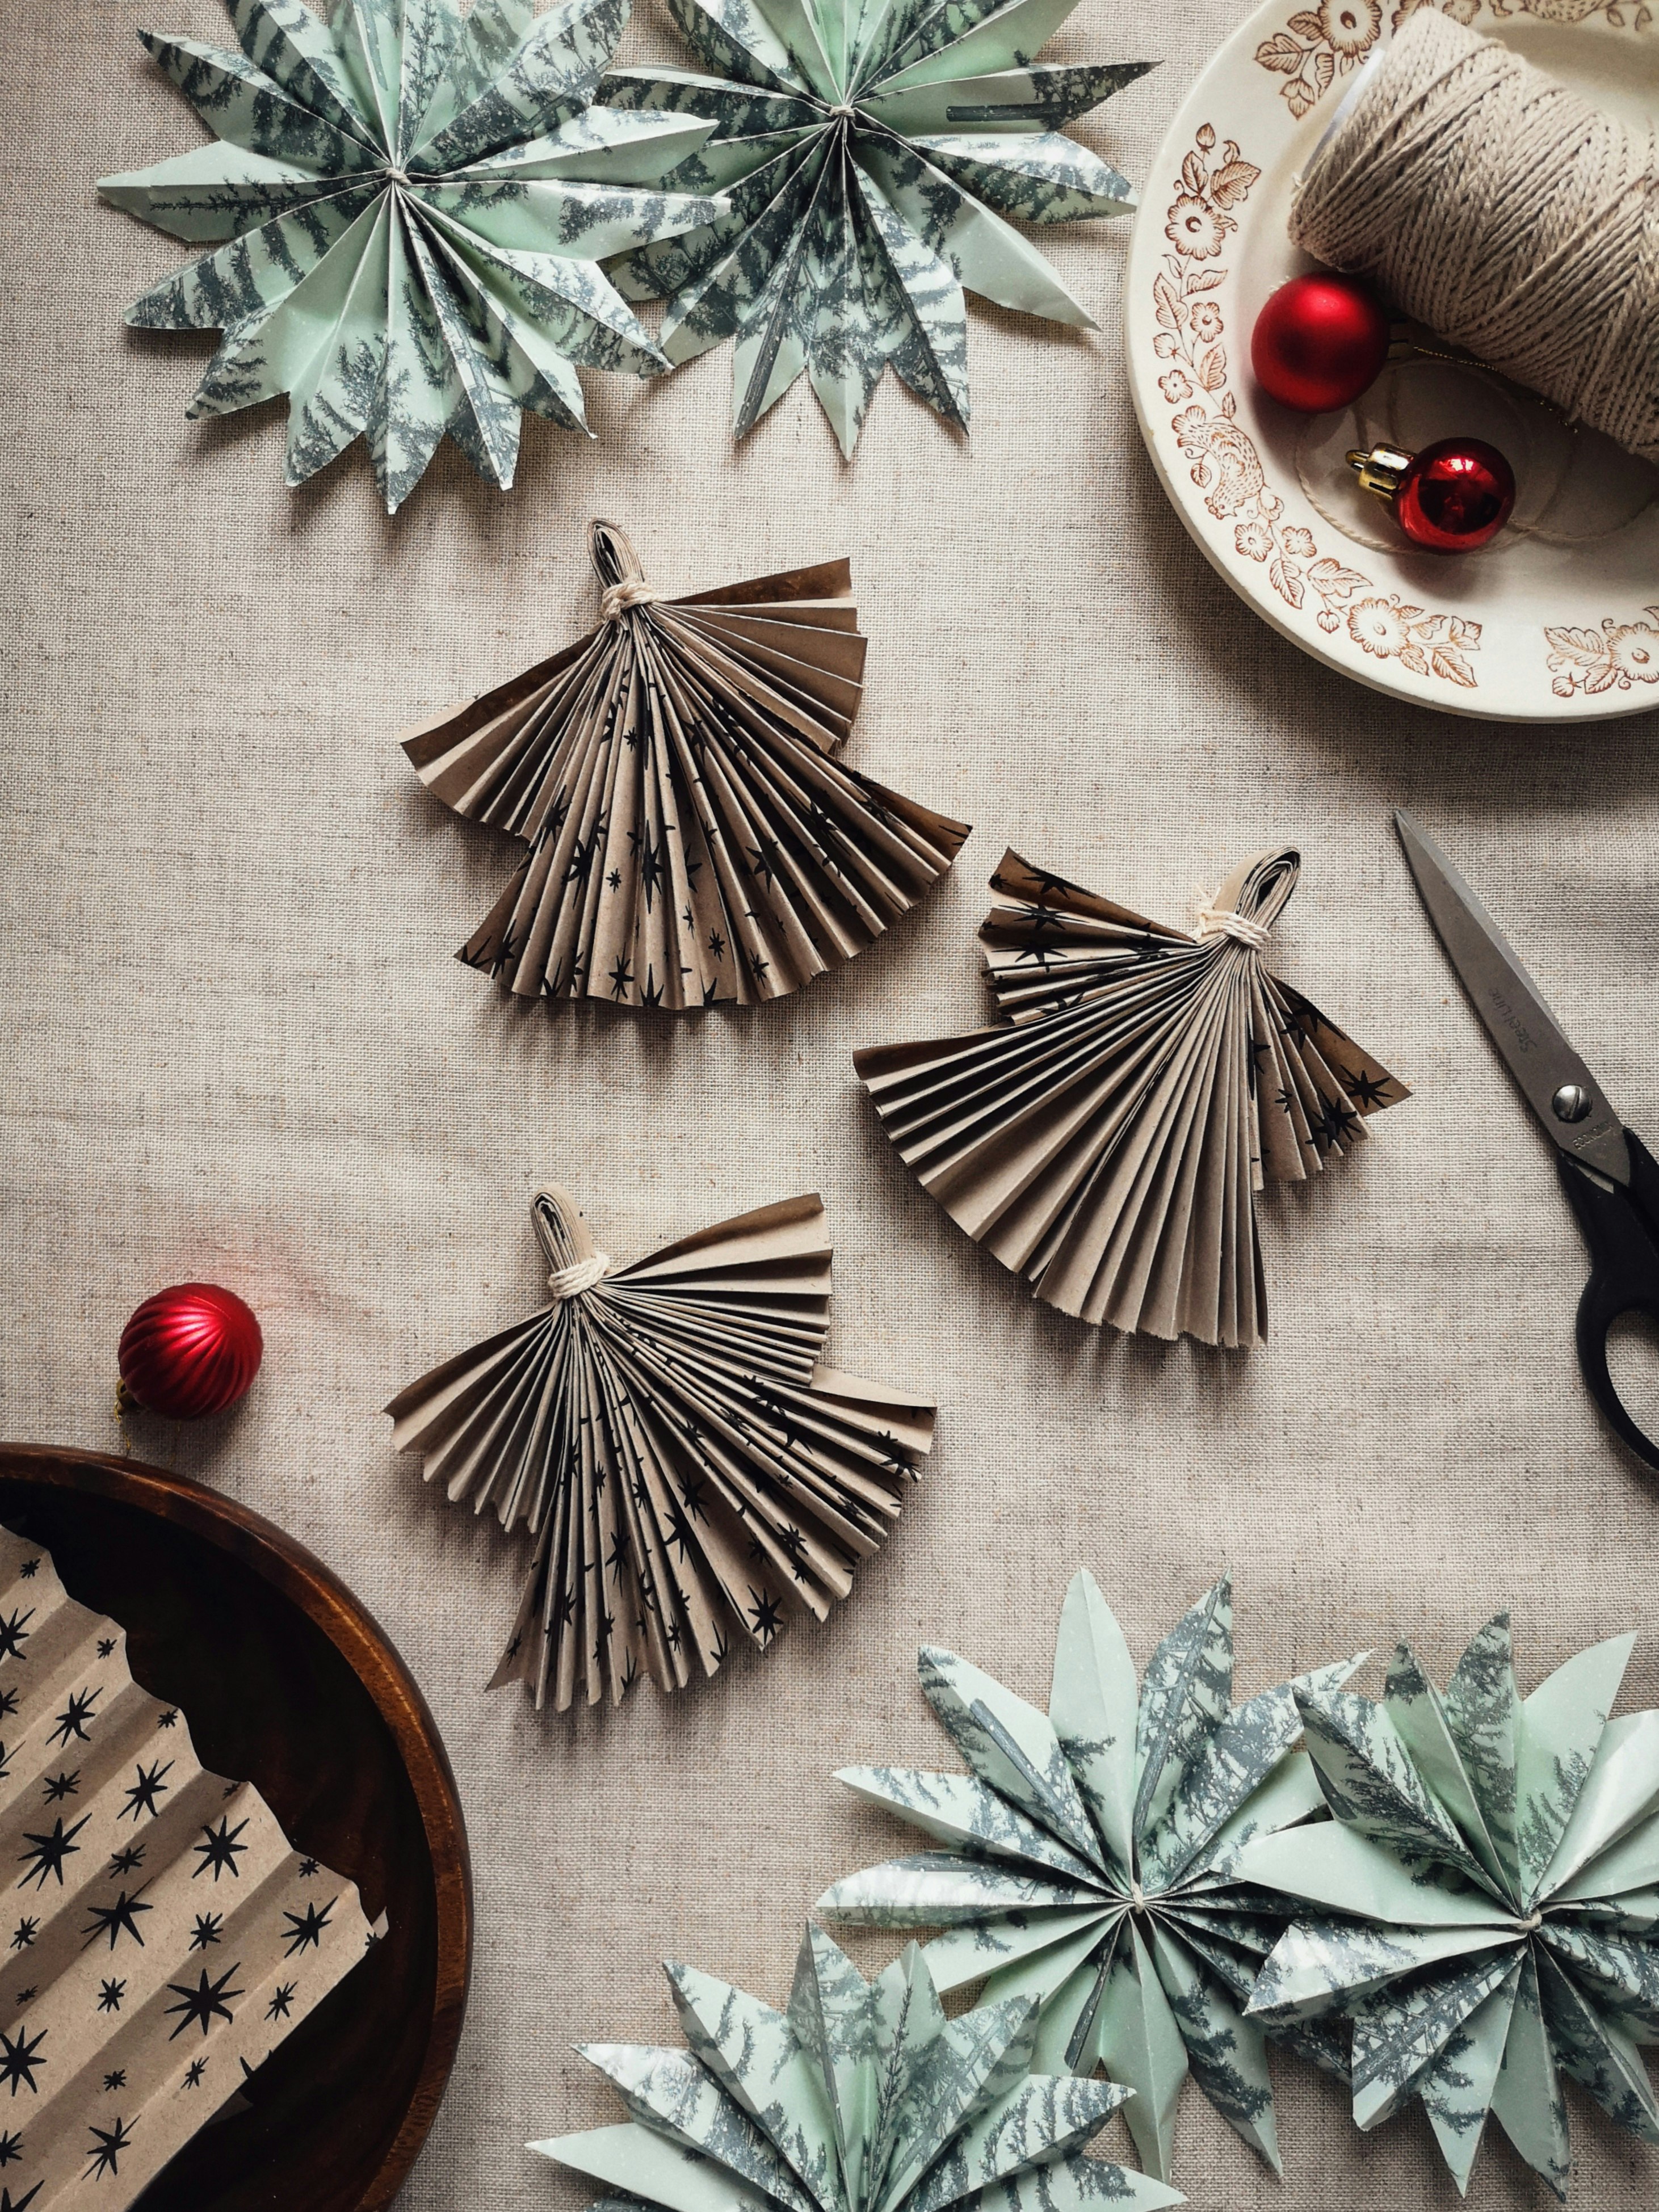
point(160, 1934)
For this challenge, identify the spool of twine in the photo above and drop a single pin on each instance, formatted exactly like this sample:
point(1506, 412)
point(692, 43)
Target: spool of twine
point(1486, 200)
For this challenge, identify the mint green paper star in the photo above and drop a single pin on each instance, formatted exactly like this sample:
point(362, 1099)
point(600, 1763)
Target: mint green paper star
point(416, 205)
point(862, 2098)
point(870, 151)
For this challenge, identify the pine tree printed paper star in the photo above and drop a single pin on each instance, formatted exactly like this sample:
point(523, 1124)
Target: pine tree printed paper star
point(862, 2098)
point(416, 203)
point(869, 155)
point(1090, 1862)
point(1495, 1863)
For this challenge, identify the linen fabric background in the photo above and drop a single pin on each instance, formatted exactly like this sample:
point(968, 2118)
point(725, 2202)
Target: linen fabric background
point(238, 1046)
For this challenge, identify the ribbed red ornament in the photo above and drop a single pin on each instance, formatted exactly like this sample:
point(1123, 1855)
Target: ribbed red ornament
point(189, 1351)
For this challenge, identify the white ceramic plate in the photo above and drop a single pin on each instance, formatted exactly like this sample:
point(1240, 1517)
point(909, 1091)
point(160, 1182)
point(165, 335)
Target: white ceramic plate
point(1558, 619)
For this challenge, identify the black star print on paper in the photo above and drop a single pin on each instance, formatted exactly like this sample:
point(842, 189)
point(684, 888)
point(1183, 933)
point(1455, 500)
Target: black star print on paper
point(220, 1852)
point(206, 1929)
point(110, 1995)
point(115, 1921)
point(27, 1931)
point(167, 1719)
point(57, 1787)
point(8, 1703)
point(72, 1721)
point(621, 976)
point(115, 2081)
point(764, 1615)
point(306, 1868)
point(11, 2148)
point(10, 2203)
point(128, 1861)
point(651, 991)
point(305, 1929)
point(1366, 1091)
point(105, 2149)
point(29, 1568)
point(208, 2002)
point(282, 1998)
point(20, 2056)
point(14, 1634)
point(106, 1646)
point(48, 1853)
point(613, 881)
point(141, 1795)
point(194, 2072)
point(759, 968)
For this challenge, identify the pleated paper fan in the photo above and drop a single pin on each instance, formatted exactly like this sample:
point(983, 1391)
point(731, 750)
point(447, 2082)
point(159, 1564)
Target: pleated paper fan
point(692, 841)
point(686, 1469)
point(1108, 1143)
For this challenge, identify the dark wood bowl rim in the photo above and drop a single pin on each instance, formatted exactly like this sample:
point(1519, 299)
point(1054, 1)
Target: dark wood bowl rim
point(317, 1592)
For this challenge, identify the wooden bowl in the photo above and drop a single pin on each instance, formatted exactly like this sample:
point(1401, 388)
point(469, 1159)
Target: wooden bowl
point(286, 1682)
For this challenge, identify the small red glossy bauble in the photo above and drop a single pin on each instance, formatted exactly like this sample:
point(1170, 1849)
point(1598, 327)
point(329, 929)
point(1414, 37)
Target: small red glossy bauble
point(191, 1350)
point(1456, 496)
point(1320, 340)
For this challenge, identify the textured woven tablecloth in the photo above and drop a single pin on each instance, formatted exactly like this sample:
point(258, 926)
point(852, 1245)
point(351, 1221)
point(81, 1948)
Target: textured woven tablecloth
point(237, 1046)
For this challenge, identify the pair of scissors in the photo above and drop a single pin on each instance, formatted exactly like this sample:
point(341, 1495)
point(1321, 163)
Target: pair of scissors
point(1609, 1174)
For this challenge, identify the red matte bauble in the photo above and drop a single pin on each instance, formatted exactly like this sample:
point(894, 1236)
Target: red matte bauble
point(1456, 496)
point(1319, 342)
point(191, 1350)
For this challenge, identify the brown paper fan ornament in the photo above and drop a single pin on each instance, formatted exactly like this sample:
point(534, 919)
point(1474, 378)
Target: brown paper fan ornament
point(692, 840)
point(1108, 1144)
point(161, 1936)
point(664, 1433)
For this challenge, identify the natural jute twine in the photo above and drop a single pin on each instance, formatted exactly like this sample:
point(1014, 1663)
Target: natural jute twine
point(1488, 201)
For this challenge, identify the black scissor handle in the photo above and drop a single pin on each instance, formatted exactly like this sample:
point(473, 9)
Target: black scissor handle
point(1621, 1228)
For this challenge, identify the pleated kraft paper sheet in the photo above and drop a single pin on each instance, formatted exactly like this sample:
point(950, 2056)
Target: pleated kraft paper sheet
point(163, 1935)
point(692, 840)
point(688, 1471)
point(1109, 1144)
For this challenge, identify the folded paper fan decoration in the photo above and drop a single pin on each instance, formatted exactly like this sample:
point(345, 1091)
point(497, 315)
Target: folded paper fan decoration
point(1483, 1914)
point(163, 1935)
point(691, 840)
point(664, 1431)
point(868, 158)
point(1091, 1860)
point(863, 2097)
point(415, 204)
point(1108, 1144)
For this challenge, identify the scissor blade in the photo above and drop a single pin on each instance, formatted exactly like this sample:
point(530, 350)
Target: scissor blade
point(1516, 1019)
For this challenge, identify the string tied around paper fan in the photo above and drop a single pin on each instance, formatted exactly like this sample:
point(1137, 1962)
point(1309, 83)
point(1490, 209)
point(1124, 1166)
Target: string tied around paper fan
point(1514, 219)
point(1215, 920)
point(584, 1275)
point(615, 603)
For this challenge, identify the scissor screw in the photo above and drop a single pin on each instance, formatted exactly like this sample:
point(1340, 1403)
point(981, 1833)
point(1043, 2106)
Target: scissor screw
point(1570, 1103)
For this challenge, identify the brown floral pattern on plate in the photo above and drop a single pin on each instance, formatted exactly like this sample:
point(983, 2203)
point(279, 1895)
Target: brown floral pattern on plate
point(1614, 658)
point(1223, 458)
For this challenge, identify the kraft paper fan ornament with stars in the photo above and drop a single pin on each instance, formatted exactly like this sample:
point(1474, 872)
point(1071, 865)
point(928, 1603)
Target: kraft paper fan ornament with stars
point(1090, 1863)
point(869, 156)
point(1484, 1912)
point(692, 839)
point(162, 1936)
point(688, 1471)
point(862, 2097)
point(414, 203)
point(1108, 1143)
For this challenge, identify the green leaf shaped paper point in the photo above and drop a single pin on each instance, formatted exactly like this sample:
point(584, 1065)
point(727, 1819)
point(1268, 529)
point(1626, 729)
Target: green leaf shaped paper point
point(1498, 1863)
point(1091, 1861)
point(870, 150)
point(416, 203)
point(862, 2098)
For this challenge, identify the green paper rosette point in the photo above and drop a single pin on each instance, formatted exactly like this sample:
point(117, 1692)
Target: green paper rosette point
point(1090, 1862)
point(871, 157)
point(413, 204)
